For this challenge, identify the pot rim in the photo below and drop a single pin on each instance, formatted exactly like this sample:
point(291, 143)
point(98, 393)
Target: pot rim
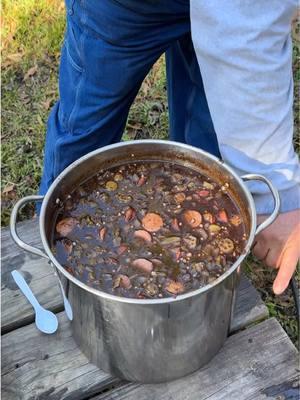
point(184, 296)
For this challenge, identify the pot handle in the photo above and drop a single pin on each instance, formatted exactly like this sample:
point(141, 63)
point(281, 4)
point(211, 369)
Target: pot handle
point(275, 194)
point(13, 226)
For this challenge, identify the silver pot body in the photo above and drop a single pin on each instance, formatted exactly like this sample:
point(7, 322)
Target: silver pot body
point(152, 342)
point(148, 340)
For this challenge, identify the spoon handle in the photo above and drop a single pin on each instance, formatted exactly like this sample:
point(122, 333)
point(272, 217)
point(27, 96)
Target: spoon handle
point(67, 305)
point(25, 289)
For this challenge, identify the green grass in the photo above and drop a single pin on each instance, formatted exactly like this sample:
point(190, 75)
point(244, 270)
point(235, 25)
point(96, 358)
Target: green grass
point(31, 40)
point(32, 36)
point(32, 30)
point(281, 307)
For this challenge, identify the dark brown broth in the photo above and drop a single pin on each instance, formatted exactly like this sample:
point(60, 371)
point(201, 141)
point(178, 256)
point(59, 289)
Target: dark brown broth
point(96, 237)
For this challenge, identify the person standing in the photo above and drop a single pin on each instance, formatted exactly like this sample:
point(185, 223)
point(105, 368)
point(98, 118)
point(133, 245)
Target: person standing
point(229, 93)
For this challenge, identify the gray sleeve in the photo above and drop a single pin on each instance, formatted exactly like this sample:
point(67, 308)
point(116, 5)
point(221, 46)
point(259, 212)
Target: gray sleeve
point(244, 51)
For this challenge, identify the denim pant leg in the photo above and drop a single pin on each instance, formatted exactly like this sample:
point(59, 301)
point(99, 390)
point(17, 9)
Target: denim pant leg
point(190, 120)
point(107, 52)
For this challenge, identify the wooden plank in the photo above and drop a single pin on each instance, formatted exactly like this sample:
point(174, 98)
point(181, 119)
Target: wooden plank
point(47, 367)
point(258, 362)
point(17, 312)
point(249, 306)
point(37, 366)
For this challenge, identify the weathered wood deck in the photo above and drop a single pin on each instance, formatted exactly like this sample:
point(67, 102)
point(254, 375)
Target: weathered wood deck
point(258, 361)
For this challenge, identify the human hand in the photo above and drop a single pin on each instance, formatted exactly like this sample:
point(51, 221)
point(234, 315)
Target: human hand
point(278, 246)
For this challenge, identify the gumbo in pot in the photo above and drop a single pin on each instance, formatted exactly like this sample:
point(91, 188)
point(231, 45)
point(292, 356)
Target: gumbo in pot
point(148, 230)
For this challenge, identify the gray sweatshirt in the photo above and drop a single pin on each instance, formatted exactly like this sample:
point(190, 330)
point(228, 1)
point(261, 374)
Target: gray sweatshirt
point(244, 51)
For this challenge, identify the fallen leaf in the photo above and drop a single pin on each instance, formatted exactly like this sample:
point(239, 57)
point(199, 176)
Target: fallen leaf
point(15, 57)
point(25, 98)
point(29, 180)
point(8, 188)
point(145, 87)
point(32, 71)
point(11, 59)
point(46, 104)
point(61, 6)
point(135, 126)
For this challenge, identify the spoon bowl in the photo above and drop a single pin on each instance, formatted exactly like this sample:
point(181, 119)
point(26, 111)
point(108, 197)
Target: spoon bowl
point(45, 320)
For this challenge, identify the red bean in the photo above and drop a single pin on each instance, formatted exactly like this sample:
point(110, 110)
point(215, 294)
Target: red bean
point(175, 225)
point(125, 282)
point(122, 281)
point(176, 253)
point(222, 216)
point(144, 235)
point(66, 226)
point(141, 180)
point(102, 233)
point(156, 262)
point(143, 265)
point(203, 193)
point(122, 249)
point(68, 246)
point(129, 214)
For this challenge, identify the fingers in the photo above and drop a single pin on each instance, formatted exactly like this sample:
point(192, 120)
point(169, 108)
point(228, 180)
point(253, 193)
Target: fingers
point(282, 238)
point(270, 256)
point(272, 259)
point(259, 250)
point(287, 267)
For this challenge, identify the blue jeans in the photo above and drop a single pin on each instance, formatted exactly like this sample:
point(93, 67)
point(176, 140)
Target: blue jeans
point(108, 50)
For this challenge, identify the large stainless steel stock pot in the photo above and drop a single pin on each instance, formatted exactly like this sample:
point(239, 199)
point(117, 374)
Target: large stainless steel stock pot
point(148, 340)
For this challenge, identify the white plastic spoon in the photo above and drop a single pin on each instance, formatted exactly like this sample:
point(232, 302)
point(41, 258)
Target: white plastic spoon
point(67, 305)
point(45, 320)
